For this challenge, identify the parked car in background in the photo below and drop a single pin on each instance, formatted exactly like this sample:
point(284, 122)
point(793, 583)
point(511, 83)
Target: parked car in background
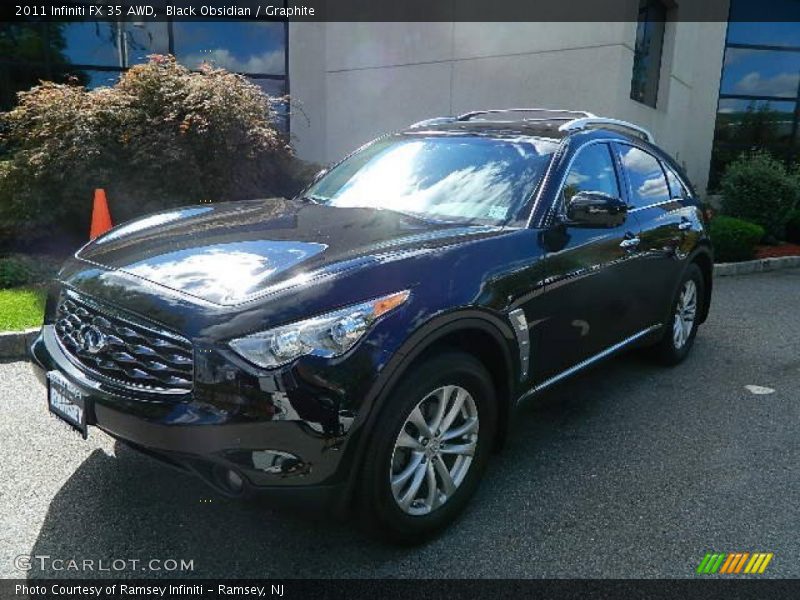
point(364, 345)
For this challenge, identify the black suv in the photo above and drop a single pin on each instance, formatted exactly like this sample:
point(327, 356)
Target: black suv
point(365, 344)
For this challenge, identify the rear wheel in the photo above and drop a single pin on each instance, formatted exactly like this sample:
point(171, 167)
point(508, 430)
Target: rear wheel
point(429, 449)
point(681, 329)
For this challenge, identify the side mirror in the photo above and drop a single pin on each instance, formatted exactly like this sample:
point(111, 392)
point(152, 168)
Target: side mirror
point(595, 209)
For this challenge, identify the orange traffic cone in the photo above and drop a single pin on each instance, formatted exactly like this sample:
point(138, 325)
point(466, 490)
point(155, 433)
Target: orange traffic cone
point(101, 217)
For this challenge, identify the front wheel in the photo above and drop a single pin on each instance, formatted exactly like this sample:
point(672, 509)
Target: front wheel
point(429, 449)
point(682, 326)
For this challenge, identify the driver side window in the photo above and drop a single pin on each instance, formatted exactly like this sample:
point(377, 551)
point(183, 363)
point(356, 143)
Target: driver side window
point(592, 171)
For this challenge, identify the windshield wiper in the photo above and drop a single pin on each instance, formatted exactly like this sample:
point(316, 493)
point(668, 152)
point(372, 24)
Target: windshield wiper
point(419, 216)
point(314, 199)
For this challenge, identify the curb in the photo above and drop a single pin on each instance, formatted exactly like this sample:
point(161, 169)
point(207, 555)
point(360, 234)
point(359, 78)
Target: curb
point(15, 344)
point(756, 266)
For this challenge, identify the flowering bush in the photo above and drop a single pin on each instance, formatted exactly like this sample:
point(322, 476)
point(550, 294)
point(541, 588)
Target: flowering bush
point(162, 136)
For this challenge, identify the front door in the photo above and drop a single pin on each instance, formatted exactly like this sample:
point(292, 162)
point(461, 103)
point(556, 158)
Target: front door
point(589, 303)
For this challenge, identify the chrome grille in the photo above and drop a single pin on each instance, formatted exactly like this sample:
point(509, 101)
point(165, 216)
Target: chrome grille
point(122, 348)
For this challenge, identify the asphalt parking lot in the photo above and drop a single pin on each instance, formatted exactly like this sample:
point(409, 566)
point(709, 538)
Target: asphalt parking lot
point(628, 470)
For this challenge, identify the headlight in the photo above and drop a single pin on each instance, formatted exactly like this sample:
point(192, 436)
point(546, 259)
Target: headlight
point(331, 334)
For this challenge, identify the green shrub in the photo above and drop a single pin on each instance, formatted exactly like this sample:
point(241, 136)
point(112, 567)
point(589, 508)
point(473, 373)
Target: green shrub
point(162, 136)
point(758, 188)
point(19, 270)
point(793, 227)
point(14, 272)
point(734, 239)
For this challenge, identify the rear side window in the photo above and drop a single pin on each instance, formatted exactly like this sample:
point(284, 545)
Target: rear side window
point(592, 171)
point(676, 187)
point(645, 175)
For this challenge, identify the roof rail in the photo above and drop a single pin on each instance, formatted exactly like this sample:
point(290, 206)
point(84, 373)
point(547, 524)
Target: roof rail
point(587, 122)
point(434, 121)
point(547, 113)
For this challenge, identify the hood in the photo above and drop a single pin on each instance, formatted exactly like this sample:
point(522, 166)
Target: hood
point(228, 253)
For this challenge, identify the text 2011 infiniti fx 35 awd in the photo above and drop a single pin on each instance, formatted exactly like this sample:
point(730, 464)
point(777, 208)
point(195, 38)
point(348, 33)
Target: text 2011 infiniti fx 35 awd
point(364, 345)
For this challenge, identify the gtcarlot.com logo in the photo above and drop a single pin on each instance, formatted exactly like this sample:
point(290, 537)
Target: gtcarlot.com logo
point(734, 563)
point(45, 562)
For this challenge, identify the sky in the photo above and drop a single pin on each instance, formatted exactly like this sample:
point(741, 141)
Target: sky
point(248, 47)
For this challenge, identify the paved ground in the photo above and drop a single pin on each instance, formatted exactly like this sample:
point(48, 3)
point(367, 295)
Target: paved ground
point(626, 471)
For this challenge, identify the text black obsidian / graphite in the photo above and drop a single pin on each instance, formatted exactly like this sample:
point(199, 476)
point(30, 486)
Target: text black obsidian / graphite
point(268, 10)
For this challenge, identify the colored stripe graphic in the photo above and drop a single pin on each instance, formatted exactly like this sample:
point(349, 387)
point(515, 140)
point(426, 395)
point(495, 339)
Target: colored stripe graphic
point(741, 562)
point(733, 562)
point(702, 566)
point(710, 563)
point(764, 564)
point(730, 563)
point(759, 562)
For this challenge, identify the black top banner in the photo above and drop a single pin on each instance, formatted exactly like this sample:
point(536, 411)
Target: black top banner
point(394, 10)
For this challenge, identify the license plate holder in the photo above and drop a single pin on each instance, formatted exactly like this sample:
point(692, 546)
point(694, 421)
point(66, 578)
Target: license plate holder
point(67, 402)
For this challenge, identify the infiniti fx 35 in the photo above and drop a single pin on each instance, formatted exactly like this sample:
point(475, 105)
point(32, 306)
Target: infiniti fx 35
point(363, 346)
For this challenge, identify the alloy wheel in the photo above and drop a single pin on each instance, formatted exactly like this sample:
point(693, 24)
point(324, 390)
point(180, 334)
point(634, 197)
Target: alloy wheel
point(685, 314)
point(434, 450)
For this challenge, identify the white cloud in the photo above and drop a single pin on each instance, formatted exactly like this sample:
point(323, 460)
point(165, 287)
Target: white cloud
point(575, 177)
point(653, 188)
point(638, 161)
point(734, 55)
point(782, 84)
point(270, 63)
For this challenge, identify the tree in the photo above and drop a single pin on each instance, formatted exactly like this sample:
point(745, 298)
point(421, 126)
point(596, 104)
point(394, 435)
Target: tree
point(162, 136)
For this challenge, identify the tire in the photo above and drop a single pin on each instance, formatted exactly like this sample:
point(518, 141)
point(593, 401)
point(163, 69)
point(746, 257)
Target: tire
point(401, 515)
point(678, 340)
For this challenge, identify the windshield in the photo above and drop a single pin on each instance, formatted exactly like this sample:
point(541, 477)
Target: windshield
point(461, 178)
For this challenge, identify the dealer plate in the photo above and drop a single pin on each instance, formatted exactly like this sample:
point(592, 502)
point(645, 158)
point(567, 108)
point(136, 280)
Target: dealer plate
point(66, 401)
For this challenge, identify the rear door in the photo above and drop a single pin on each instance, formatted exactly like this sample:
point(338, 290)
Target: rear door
point(665, 218)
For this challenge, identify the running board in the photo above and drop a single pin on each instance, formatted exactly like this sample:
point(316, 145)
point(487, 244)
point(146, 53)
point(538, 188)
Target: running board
point(588, 362)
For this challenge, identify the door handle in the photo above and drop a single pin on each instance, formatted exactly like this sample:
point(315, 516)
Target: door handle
point(685, 224)
point(629, 243)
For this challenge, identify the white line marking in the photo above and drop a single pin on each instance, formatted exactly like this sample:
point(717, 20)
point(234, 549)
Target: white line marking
point(759, 390)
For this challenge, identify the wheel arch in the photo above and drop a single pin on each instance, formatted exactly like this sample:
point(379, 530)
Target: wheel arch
point(484, 335)
point(702, 257)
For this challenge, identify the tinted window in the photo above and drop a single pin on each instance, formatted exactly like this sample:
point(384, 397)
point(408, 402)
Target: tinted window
point(240, 46)
point(592, 171)
point(676, 188)
point(96, 53)
point(114, 43)
point(647, 51)
point(647, 181)
point(462, 178)
point(767, 73)
point(760, 86)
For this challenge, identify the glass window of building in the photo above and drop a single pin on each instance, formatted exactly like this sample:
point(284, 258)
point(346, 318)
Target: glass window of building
point(95, 54)
point(647, 52)
point(114, 43)
point(759, 101)
point(244, 47)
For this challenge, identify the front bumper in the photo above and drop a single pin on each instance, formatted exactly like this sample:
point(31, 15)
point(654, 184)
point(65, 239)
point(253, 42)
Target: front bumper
point(283, 458)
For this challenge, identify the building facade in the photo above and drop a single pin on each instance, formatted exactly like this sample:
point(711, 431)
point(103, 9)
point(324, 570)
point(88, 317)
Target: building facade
point(351, 82)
